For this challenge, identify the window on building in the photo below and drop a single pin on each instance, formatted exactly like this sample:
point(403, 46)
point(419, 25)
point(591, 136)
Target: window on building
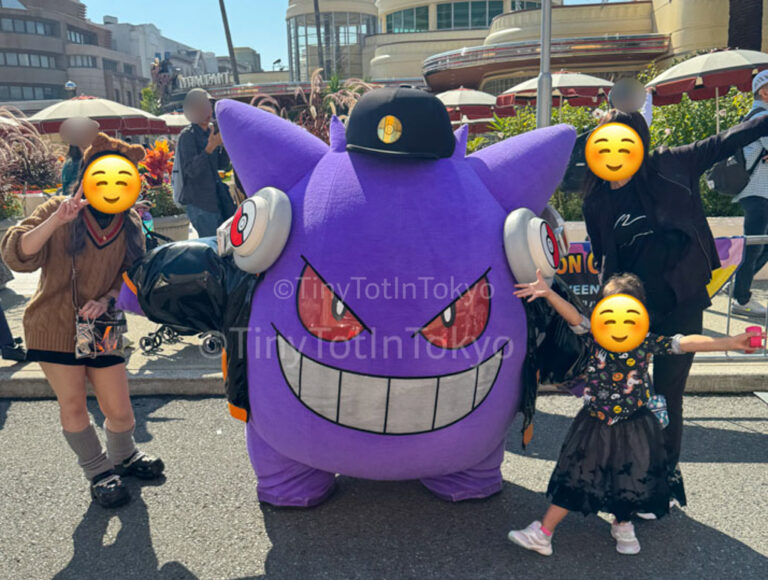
point(76, 36)
point(117, 95)
point(110, 65)
point(28, 93)
point(19, 26)
point(26, 59)
point(461, 14)
point(82, 61)
point(477, 14)
point(494, 9)
point(410, 20)
point(129, 98)
point(128, 68)
point(444, 16)
point(524, 5)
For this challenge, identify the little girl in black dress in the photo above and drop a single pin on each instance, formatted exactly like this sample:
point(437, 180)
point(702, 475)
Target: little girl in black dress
point(613, 458)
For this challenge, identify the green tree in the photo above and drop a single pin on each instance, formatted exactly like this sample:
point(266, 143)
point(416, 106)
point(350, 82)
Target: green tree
point(150, 101)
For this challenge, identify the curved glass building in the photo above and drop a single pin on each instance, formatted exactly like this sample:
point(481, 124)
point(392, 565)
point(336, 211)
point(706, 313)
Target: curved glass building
point(344, 24)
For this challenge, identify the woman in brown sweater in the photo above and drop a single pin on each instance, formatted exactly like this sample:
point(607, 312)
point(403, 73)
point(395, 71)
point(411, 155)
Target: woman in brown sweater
point(61, 234)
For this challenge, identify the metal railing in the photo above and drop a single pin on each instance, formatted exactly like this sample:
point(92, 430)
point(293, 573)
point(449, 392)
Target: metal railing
point(760, 355)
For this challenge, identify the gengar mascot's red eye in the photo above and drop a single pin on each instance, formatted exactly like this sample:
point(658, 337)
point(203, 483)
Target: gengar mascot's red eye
point(464, 320)
point(322, 312)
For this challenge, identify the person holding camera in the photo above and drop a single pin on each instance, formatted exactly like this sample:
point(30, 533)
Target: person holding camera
point(200, 154)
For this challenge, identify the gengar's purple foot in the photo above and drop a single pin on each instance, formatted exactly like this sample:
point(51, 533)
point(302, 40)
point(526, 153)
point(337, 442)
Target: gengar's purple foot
point(284, 482)
point(480, 481)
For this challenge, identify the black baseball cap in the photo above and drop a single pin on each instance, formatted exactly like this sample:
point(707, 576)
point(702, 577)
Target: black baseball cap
point(400, 122)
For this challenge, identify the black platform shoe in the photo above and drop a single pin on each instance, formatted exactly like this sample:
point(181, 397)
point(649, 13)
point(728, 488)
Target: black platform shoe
point(142, 466)
point(14, 352)
point(109, 491)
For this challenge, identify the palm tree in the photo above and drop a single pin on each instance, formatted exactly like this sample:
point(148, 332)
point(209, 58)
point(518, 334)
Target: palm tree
point(745, 24)
point(320, 55)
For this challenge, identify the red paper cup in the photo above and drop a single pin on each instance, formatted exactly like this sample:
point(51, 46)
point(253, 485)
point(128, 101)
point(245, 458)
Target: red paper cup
point(755, 341)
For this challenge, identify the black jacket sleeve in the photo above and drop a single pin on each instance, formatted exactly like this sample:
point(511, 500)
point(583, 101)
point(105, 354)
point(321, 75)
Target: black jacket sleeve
point(194, 163)
point(703, 154)
point(593, 231)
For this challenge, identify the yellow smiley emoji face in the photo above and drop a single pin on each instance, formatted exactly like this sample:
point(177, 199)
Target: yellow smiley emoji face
point(111, 184)
point(614, 152)
point(619, 323)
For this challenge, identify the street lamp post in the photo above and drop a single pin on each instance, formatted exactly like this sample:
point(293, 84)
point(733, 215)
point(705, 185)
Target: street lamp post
point(544, 88)
point(70, 88)
point(232, 59)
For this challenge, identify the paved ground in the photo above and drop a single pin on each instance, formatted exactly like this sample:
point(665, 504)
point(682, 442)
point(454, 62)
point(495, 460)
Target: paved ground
point(204, 521)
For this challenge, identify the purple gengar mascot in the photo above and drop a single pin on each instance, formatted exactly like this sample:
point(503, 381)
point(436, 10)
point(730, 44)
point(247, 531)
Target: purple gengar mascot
point(384, 340)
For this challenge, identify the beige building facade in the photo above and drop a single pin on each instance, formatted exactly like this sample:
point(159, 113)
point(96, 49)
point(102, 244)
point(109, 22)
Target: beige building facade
point(492, 44)
point(46, 43)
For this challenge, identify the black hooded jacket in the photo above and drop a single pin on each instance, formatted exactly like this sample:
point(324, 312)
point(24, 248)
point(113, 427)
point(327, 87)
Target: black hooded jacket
point(669, 192)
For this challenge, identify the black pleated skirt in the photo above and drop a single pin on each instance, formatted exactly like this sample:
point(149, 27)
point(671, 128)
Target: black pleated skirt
point(620, 469)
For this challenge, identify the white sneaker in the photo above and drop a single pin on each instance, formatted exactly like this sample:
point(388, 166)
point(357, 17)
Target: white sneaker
point(751, 308)
point(626, 541)
point(532, 538)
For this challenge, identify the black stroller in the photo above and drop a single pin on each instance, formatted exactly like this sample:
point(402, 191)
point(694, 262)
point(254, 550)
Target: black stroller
point(213, 342)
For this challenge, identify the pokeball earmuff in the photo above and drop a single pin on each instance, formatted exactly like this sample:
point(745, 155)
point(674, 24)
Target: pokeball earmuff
point(258, 232)
point(530, 243)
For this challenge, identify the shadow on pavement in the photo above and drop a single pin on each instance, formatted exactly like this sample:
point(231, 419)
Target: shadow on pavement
point(143, 407)
point(10, 298)
point(4, 404)
point(701, 444)
point(398, 530)
point(130, 555)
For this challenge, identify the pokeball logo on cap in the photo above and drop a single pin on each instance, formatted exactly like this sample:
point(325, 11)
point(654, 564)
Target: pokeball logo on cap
point(390, 129)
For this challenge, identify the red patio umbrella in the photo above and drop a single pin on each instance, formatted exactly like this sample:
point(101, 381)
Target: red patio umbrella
point(112, 117)
point(708, 76)
point(577, 89)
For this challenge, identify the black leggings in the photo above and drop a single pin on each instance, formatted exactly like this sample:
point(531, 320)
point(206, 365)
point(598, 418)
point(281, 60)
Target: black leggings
point(671, 372)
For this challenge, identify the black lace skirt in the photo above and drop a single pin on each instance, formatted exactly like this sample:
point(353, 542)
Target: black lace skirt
point(619, 469)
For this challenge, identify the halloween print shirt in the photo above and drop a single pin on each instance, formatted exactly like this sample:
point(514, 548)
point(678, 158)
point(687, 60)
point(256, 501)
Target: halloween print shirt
point(617, 383)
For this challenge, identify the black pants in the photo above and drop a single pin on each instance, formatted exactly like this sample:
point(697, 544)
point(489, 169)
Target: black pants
point(671, 372)
point(6, 338)
point(755, 257)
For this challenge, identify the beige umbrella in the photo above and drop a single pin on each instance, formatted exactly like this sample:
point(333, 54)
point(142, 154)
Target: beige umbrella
point(576, 88)
point(462, 97)
point(175, 121)
point(708, 76)
point(112, 117)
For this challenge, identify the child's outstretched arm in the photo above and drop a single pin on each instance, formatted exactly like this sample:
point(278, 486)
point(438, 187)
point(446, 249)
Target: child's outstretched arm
point(540, 289)
point(701, 343)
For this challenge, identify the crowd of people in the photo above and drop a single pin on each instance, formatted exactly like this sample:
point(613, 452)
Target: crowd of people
point(649, 236)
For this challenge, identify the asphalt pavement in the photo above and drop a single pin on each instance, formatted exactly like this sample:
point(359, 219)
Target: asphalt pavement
point(204, 520)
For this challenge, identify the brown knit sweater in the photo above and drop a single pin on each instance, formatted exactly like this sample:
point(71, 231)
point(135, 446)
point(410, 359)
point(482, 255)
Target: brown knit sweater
point(49, 319)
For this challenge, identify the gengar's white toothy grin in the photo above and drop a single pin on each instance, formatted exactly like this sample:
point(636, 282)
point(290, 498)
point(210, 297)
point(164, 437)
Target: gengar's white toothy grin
point(386, 405)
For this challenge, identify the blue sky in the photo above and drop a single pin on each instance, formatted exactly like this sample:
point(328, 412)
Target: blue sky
point(259, 24)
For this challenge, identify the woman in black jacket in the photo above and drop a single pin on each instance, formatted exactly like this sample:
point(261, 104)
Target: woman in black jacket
point(653, 225)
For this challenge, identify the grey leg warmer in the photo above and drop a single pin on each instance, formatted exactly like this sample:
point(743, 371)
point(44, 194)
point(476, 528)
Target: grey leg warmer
point(120, 446)
point(90, 454)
